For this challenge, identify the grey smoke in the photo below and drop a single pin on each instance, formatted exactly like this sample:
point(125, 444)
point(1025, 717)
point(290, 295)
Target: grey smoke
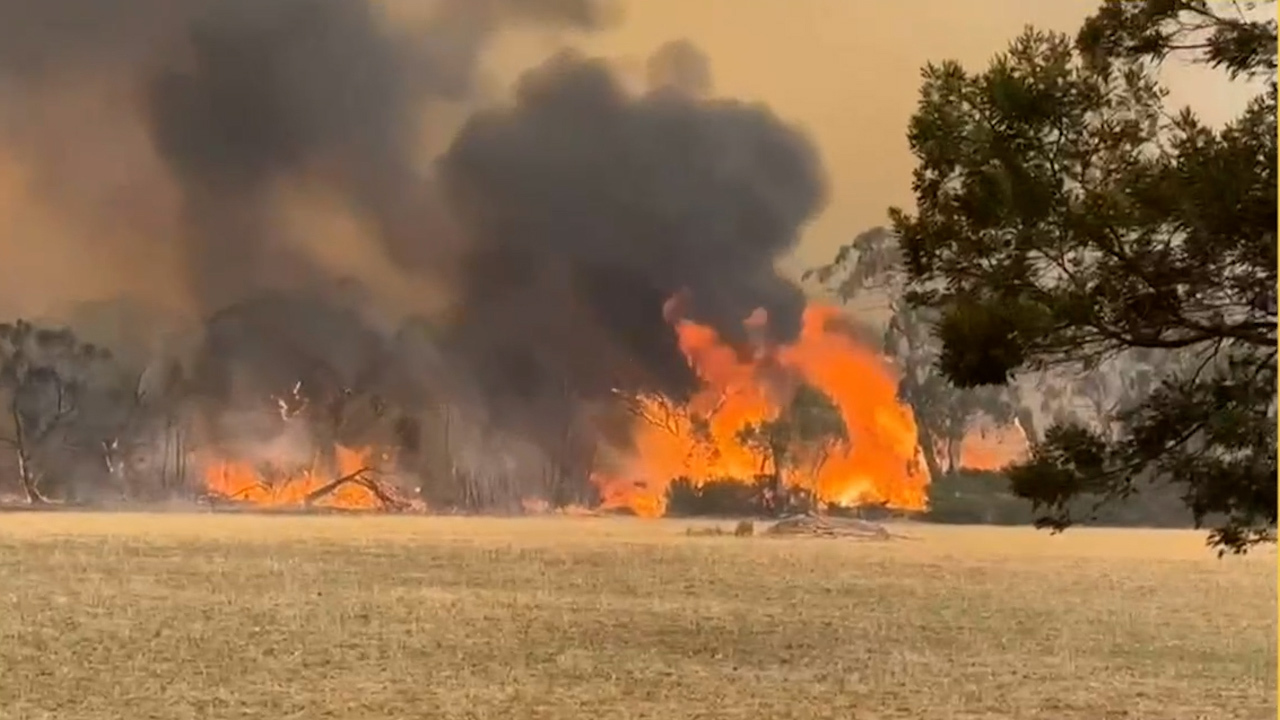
point(587, 209)
point(680, 65)
point(563, 222)
point(240, 93)
point(274, 88)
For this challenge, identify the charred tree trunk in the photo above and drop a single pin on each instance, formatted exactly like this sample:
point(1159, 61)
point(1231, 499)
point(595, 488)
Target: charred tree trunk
point(180, 458)
point(166, 452)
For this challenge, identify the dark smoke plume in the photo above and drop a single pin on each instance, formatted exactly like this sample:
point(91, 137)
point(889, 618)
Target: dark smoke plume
point(289, 87)
point(562, 224)
point(587, 209)
point(681, 65)
point(238, 94)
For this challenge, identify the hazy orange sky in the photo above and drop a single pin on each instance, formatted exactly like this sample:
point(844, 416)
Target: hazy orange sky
point(848, 71)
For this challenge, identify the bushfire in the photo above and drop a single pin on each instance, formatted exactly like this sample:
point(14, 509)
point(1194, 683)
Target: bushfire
point(346, 485)
point(877, 461)
point(880, 463)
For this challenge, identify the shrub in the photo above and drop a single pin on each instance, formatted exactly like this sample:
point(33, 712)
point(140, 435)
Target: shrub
point(986, 498)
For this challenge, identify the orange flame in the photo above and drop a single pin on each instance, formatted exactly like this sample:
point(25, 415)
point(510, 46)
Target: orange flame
point(240, 481)
point(880, 465)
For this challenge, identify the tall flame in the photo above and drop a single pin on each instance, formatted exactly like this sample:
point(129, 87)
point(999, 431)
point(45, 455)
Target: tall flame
point(881, 464)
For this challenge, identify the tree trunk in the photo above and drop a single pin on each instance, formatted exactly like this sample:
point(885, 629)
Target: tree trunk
point(1028, 422)
point(25, 473)
point(28, 482)
point(928, 449)
point(180, 459)
point(166, 452)
point(924, 434)
point(815, 502)
point(776, 488)
point(953, 453)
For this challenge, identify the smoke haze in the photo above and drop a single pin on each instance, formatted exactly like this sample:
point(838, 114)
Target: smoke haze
point(299, 176)
point(588, 209)
point(177, 136)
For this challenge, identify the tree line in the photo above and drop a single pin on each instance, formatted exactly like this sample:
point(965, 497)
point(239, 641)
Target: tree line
point(86, 424)
point(1082, 259)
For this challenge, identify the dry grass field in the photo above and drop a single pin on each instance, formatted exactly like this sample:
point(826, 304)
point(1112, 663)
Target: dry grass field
point(217, 616)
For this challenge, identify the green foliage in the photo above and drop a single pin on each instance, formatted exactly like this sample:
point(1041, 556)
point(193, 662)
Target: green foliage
point(1064, 216)
point(798, 441)
point(969, 497)
point(1230, 41)
point(810, 424)
point(815, 419)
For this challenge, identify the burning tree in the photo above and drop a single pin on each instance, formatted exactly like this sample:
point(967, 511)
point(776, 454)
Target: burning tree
point(332, 471)
point(870, 268)
point(794, 446)
point(295, 391)
point(743, 423)
point(43, 377)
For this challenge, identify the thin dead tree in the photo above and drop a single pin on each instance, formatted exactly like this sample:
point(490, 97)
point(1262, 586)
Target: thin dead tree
point(116, 457)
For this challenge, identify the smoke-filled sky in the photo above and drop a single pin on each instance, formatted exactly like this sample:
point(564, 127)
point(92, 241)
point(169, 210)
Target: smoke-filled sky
point(848, 71)
point(549, 181)
point(187, 153)
point(845, 72)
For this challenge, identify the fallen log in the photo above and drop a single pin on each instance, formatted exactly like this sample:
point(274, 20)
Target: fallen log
point(333, 485)
point(388, 500)
point(359, 477)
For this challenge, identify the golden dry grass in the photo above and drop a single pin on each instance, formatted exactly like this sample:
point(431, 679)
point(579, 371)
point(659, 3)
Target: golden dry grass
point(216, 616)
